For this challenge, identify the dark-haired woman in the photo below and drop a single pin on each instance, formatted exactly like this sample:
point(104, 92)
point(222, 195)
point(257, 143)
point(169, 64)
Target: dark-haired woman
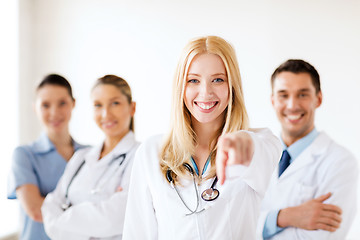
point(37, 167)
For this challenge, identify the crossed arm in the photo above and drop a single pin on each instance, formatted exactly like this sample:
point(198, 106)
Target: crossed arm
point(311, 215)
point(31, 200)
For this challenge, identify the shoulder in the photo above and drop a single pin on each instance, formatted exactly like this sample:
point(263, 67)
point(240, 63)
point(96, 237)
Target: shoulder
point(78, 146)
point(262, 132)
point(24, 153)
point(148, 151)
point(331, 147)
point(333, 153)
point(264, 136)
point(152, 143)
point(78, 156)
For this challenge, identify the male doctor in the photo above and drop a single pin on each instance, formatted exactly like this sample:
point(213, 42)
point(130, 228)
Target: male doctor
point(312, 193)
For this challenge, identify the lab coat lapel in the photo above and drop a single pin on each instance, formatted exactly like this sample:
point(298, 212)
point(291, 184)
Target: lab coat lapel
point(308, 156)
point(124, 146)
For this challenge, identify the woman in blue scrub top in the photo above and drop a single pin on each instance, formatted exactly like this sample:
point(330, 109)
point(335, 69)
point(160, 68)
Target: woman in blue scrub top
point(37, 167)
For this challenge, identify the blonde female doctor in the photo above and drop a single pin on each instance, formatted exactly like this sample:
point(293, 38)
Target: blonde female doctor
point(90, 198)
point(206, 178)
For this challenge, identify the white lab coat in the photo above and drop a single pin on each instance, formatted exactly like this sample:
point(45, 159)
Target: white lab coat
point(155, 211)
point(91, 216)
point(322, 167)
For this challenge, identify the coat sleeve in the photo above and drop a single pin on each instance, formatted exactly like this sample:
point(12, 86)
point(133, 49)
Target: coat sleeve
point(266, 156)
point(140, 217)
point(340, 178)
point(83, 219)
point(51, 209)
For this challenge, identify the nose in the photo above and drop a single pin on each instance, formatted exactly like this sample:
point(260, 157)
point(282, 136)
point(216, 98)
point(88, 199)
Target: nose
point(205, 88)
point(292, 103)
point(104, 112)
point(54, 111)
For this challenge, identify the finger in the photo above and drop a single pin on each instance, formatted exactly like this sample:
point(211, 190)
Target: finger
point(328, 221)
point(119, 189)
point(331, 215)
point(332, 208)
point(323, 197)
point(325, 227)
point(221, 159)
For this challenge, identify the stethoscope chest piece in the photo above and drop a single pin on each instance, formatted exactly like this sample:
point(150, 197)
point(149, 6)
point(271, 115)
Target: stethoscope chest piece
point(65, 206)
point(210, 194)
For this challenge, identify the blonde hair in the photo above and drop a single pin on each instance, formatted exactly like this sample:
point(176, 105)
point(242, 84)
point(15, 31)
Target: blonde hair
point(120, 84)
point(180, 143)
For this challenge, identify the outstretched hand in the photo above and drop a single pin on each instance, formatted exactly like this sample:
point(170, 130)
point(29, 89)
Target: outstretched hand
point(233, 148)
point(312, 215)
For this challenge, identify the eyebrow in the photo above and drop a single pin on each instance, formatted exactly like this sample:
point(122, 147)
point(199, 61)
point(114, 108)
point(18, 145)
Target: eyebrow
point(215, 74)
point(300, 90)
point(114, 98)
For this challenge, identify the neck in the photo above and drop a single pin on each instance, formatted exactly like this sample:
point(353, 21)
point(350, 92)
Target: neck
point(205, 134)
point(110, 143)
point(60, 139)
point(290, 139)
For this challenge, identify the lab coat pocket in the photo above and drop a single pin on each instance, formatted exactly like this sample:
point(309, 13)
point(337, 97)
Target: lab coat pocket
point(303, 193)
point(216, 221)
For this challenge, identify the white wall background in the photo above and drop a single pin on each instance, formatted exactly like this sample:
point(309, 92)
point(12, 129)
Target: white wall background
point(141, 41)
point(8, 99)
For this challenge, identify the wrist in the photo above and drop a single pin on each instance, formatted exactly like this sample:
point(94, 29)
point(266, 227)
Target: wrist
point(283, 219)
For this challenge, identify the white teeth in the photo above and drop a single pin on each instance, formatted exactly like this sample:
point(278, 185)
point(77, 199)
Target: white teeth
point(294, 117)
point(108, 124)
point(206, 106)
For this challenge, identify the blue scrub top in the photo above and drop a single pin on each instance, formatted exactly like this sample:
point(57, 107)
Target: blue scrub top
point(40, 164)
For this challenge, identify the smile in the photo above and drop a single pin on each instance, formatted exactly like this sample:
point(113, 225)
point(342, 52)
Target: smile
point(294, 117)
point(55, 122)
point(206, 105)
point(108, 124)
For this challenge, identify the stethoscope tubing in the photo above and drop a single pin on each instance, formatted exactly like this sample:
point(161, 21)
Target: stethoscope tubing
point(212, 189)
point(67, 203)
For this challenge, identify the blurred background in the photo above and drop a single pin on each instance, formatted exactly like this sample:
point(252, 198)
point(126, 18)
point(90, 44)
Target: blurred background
point(141, 40)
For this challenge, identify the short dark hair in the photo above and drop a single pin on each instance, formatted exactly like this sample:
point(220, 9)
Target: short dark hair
point(298, 66)
point(55, 79)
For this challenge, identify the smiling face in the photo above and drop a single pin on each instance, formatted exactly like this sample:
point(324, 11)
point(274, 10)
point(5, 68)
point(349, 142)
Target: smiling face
point(53, 107)
point(295, 100)
point(206, 91)
point(112, 110)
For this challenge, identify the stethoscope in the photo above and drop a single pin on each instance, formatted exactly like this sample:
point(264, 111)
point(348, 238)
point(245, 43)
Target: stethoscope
point(209, 194)
point(96, 189)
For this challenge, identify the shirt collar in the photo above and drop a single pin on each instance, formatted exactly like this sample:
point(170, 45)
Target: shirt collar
point(44, 145)
point(196, 167)
point(124, 146)
point(300, 145)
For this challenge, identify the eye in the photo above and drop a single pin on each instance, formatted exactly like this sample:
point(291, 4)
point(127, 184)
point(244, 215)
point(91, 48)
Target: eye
point(303, 95)
point(115, 103)
point(283, 96)
point(218, 80)
point(193, 81)
point(45, 105)
point(62, 103)
point(97, 105)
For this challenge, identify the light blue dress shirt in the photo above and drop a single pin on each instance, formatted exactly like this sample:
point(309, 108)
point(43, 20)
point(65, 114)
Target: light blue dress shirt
point(40, 164)
point(270, 226)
